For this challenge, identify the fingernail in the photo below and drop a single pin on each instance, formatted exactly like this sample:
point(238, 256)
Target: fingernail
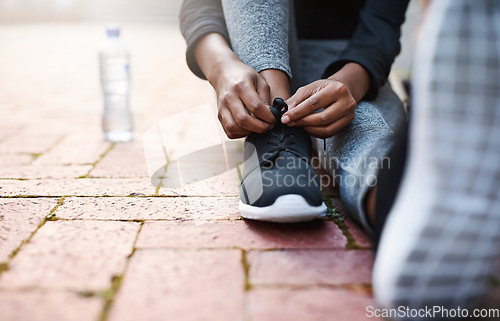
point(285, 119)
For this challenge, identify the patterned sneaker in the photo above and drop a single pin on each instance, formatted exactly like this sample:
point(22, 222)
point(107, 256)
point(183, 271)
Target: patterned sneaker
point(278, 182)
point(441, 238)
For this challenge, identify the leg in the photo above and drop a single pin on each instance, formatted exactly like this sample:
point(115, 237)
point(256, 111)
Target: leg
point(441, 237)
point(278, 182)
point(259, 32)
point(354, 155)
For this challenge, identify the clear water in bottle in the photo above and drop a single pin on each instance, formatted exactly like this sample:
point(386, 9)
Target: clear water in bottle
point(115, 83)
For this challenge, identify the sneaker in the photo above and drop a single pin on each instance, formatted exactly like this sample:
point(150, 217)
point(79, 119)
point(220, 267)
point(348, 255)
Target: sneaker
point(441, 238)
point(279, 183)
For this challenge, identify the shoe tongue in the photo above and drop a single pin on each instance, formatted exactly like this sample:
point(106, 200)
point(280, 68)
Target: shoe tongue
point(278, 108)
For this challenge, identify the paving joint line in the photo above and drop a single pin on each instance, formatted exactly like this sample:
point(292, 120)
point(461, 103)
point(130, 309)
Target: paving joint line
point(339, 220)
point(31, 196)
point(116, 196)
point(355, 287)
point(160, 184)
point(4, 266)
point(227, 248)
point(18, 129)
point(142, 220)
point(116, 282)
point(111, 146)
point(37, 155)
point(247, 285)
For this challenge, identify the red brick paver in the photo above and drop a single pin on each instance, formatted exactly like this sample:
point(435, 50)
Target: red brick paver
point(77, 187)
point(310, 267)
point(78, 255)
point(241, 234)
point(19, 218)
point(87, 235)
point(123, 161)
point(149, 208)
point(75, 149)
point(48, 305)
point(44, 171)
point(308, 304)
point(182, 285)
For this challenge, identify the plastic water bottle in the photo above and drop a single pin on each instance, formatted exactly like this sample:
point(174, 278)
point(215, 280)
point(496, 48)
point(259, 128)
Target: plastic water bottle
point(115, 83)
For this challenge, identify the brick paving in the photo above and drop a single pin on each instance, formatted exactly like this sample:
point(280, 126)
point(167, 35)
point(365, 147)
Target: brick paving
point(85, 235)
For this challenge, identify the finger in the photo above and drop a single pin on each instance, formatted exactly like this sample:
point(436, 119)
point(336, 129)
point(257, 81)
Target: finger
point(313, 97)
point(241, 116)
point(244, 120)
point(332, 129)
point(254, 102)
point(230, 127)
point(316, 97)
point(300, 95)
point(327, 116)
point(264, 91)
point(307, 107)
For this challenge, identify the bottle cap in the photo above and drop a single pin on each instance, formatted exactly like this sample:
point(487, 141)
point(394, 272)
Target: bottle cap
point(113, 31)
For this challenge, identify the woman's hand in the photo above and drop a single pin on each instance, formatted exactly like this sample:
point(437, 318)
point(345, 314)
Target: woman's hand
point(243, 96)
point(335, 99)
point(337, 96)
point(243, 99)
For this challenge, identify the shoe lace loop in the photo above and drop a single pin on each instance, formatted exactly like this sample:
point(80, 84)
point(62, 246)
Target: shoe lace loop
point(279, 138)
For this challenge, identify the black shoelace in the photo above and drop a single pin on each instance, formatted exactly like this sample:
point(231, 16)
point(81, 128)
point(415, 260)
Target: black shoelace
point(282, 140)
point(279, 107)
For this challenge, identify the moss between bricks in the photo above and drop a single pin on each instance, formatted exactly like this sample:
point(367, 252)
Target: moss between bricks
point(334, 215)
point(98, 160)
point(109, 296)
point(4, 267)
point(339, 219)
point(160, 185)
point(116, 283)
point(28, 196)
point(36, 155)
point(50, 217)
point(246, 270)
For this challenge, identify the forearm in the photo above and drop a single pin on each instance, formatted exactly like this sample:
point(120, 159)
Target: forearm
point(212, 54)
point(355, 78)
point(199, 18)
point(242, 94)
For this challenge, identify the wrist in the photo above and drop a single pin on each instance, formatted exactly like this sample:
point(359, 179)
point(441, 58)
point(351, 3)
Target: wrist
point(213, 55)
point(355, 78)
point(220, 68)
point(278, 82)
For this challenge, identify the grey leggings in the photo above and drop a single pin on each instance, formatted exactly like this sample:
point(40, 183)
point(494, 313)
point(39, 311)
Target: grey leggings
point(354, 155)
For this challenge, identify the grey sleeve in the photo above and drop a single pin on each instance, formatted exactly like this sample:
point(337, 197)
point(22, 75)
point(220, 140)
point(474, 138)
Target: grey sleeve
point(259, 30)
point(197, 19)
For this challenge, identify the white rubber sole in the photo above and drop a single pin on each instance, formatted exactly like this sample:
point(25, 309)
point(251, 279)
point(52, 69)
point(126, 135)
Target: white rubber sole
point(290, 208)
